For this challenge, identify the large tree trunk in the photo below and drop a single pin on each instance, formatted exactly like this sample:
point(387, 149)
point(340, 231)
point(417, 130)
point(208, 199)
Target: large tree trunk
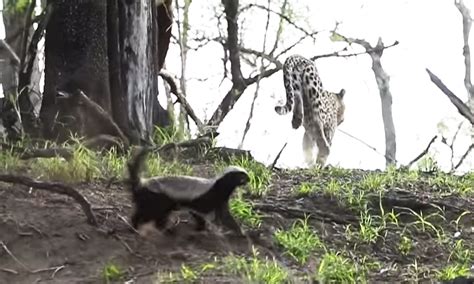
point(13, 21)
point(383, 82)
point(76, 58)
point(140, 64)
point(164, 19)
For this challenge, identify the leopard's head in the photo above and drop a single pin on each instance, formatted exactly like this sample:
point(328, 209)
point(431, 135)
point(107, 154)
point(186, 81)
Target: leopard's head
point(341, 107)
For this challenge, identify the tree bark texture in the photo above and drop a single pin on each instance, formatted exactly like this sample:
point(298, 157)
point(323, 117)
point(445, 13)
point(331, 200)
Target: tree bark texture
point(139, 64)
point(109, 49)
point(10, 63)
point(231, 8)
point(76, 58)
point(383, 83)
point(386, 101)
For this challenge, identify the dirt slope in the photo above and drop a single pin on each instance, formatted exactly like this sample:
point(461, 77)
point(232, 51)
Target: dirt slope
point(46, 238)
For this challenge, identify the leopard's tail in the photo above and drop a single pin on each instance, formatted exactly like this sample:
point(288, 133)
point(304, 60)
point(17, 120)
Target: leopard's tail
point(135, 166)
point(288, 81)
point(294, 89)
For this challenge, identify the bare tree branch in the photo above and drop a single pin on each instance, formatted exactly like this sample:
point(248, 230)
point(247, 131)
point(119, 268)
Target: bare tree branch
point(282, 16)
point(11, 52)
point(466, 29)
point(463, 109)
point(182, 99)
point(424, 152)
point(238, 83)
point(273, 164)
point(280, 26)
point(463, 158)
point(383, 82)
point(262, 67)
point(340, 54)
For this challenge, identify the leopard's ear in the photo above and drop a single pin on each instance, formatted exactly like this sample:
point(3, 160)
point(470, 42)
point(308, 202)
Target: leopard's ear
point(341, 93)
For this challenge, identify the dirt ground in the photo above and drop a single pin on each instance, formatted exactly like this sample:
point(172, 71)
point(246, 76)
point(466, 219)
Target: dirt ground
point(46, 238)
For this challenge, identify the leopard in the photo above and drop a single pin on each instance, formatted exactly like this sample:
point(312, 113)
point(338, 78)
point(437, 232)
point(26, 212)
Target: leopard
point(318, 110)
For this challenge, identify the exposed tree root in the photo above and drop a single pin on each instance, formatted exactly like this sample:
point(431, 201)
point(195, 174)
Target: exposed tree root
point(301, 213)
point(54, 187)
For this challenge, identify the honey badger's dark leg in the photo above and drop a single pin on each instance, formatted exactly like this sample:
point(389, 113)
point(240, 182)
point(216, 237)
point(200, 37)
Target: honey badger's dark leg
point(226, 219)
point(200, 221)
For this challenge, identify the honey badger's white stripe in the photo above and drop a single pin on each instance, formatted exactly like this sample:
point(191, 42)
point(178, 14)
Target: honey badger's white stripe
point(185, 187)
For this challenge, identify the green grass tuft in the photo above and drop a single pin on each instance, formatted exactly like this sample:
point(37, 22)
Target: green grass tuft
point(299, 241)
point(256, 269)
point(243, 211)
point(335, 268)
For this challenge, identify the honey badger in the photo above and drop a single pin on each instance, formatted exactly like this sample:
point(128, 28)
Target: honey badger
point(155, 198)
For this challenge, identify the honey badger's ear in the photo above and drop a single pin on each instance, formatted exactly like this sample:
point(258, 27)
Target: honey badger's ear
point(341, 93)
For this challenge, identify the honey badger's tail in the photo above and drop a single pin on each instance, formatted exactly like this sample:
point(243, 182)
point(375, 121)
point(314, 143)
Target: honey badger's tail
point(135, 165)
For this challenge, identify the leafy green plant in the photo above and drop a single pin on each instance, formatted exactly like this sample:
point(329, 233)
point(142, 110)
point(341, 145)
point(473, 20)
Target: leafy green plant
point(112, 272)
point(256, 269)
point(373, 182)
point(186, 274)
point(243, 210)
point(259, 175)
point(334, 268)
point(427, 164)
point(9, 161)
point(453, 271)
point(166, 135)
point(83, 166)
point(113, 164)
point(405, 245)
point(156, 167)
point(333, 188)
point(299, 241)
point(461, 254)
point(304, 189)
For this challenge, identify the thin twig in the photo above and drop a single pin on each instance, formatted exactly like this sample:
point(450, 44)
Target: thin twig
point(4, 246)
point(468, 151)
point(55, 268)
point(365, 143)
point(281, 15)
point(463, 109)
point(257, 88)
point(127, 223)
point(272, 166)
point(11, 52)
point(424, 152)
point(182, 99)
point(9, 270)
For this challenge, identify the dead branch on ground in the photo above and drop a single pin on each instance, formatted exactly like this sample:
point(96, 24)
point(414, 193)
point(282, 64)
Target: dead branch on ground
point(54, 187)
point(301, 213)
point(463, 109)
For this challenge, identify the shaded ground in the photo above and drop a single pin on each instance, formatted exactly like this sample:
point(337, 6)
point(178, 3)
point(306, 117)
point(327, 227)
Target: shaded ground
point(47, 240)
